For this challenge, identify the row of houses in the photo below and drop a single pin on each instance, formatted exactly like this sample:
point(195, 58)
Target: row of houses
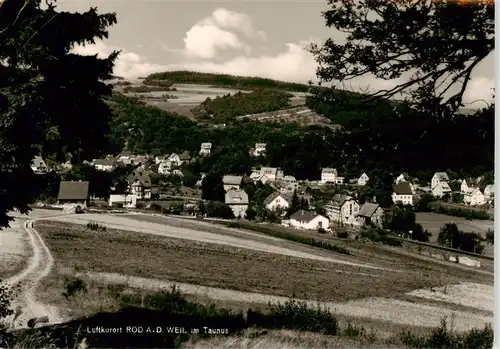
point(469, 188)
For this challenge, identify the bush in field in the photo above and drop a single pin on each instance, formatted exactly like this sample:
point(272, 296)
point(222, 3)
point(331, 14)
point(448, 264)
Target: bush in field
point(490, 235)
point(342, 234)
point(94, 226)
point(380, 235)
point(450, 236)
point(464, 213)
point(73, 286)
point(444, 337)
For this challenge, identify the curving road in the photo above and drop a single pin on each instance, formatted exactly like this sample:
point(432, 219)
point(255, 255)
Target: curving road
point(24, 283)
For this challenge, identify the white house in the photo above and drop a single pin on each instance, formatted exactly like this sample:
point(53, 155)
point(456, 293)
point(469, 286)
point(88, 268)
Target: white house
point(278, 201)
point(363, 179)
point(231, 182)
point(270, 172)
point(159, 159)
point(489, 192)
point(308, 220)
point(474, 197)
point(370, 213)
point(260, 149)
point(438, 178)
point(104, 164)
point(342, 209)
point(328, 175)
point(164, 168)
point(174, 160)
point(128, 201)
point(38, 165)
point(237, 200)
point(402, 193)
point(205, 149)
point(467, 185)
point(140, 184)
point(288, 185)
point(403, 177)
point(125, 158)
point(441, 189)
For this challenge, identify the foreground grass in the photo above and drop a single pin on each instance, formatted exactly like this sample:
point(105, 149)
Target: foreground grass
point(304, 326)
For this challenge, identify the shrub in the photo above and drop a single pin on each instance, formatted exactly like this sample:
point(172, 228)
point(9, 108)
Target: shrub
point(321, 231)
point(299, 316)
point(155, 207)
point(94, 226)
point(444, 337)
point(353, 331)
point(117, 205)
point(73, 286)
point(342, 234)
point(464, 213)
point(490, 235)
point(380, 235)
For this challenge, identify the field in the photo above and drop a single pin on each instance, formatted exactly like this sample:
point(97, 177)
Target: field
point(435, 221)
point(231, 265)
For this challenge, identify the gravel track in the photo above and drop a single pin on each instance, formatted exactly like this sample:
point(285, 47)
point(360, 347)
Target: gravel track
point(119, 222)
point(24, 283)
point(385, 309)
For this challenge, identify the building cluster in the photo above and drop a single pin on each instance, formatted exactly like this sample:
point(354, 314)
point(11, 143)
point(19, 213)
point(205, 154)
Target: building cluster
point(342, 209)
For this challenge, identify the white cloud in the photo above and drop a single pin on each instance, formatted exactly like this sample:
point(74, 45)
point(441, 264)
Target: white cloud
point(204, 40)
point(217, 32)
point(233, 20)
point(128, 64)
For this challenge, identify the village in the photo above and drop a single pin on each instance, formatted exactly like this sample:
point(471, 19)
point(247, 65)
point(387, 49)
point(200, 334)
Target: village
point(342, 208)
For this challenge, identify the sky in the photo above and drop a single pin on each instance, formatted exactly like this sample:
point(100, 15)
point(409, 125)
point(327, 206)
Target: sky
point(249, 38)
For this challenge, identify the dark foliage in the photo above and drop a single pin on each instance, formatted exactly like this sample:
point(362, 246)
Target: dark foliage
point(52, 97)
point(225, 109)
point(450, 236)
point(190, 77)
point(438, 42)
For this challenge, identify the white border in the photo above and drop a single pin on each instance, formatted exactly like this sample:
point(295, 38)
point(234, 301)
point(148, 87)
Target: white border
point(496, 312)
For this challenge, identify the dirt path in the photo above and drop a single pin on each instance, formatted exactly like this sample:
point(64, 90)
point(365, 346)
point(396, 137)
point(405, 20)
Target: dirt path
point(24, 283)
point(123, 223)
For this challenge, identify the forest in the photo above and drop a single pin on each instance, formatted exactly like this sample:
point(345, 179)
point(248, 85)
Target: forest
point(239, 82)
point(225, 109)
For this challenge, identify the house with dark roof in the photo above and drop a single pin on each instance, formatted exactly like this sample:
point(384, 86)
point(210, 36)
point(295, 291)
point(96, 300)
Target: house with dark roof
point(278, 202)
point(73, 192)
point(342, 209)
point(370, 214)
point(237, 200)
point(402, 193)
point(439, 177)
point(139, 184)
point(468, 185)
point(231, 182)
point(308, 220)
